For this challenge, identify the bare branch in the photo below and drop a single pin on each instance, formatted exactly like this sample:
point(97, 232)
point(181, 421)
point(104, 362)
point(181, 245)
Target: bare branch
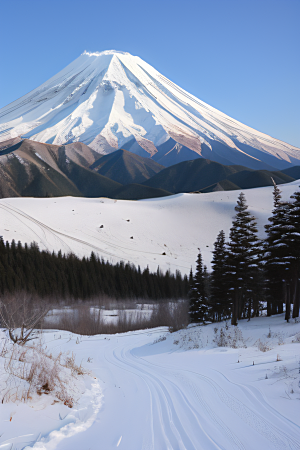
point(20, 314)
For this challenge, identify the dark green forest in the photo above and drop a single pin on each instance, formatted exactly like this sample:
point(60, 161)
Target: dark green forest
point(26, 268)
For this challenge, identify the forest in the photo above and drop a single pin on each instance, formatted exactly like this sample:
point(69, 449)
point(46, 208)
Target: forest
point(249, 273)
point(26, 268)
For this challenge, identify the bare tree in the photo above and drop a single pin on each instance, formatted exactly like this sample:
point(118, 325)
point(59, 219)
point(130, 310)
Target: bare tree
point(20, 314)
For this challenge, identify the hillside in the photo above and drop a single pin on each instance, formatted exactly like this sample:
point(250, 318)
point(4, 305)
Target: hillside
point(167, 232)
point(205, 176)
point(126, 167)
point(190, 176)
point(293, 172)
point(34, 169)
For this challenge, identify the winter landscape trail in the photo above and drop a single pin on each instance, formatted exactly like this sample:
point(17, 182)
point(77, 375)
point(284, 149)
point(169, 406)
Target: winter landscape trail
point(156, 396)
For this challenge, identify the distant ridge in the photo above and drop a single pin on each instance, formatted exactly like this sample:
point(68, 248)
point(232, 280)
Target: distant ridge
point(207, 176)
point(34, 169)
point(125, 167)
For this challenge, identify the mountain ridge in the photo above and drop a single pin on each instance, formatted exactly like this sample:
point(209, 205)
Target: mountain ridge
point(33, 169)
point(202, 175)
point(126, 167)
point(30, 168)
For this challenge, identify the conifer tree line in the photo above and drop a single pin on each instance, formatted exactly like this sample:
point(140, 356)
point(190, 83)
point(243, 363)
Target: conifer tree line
point(247, 272)
point(48, 274)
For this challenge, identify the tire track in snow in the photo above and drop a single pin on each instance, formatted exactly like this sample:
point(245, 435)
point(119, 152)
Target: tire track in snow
point(125, 250)
point(55, 232)
point(258, 396)
point(169, 428)
point(280, 439)
point(228, 434)
point(17, 212)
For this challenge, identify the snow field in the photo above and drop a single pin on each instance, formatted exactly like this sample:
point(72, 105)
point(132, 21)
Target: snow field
point(156, 390)
point(177, 225)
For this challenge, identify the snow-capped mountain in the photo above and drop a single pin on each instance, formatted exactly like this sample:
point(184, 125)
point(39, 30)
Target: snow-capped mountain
point(113, 100)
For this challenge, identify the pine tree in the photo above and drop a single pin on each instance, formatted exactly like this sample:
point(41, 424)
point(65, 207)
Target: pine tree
point(294, 250)
point(199, 310)
point(276, 246)
point(219, 284)
point(29, 269)
point(242, 261)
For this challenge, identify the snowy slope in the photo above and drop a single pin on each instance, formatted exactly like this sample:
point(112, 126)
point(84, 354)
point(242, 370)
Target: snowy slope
point(183, 392)
point(112, 99)
point(175, 225)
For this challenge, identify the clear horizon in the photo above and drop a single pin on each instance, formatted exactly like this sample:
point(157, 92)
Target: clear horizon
point(240, 57)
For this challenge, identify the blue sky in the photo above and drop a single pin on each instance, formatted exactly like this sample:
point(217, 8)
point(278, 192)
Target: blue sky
point(240, 56)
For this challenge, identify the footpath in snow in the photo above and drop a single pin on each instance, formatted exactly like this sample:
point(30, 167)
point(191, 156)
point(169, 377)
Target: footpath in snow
point(193, 389)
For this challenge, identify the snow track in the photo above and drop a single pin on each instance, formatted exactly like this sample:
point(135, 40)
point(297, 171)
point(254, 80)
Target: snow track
point(165, 400)
point(149, 392)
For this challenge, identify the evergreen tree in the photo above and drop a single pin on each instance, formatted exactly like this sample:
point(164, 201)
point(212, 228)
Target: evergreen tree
point(219, 284)
point(293, 255)
point(277, 264)
point(47, 274)
point(242, 261)
point(199, 310)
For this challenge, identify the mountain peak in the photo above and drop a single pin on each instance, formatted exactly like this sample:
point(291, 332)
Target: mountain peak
point(111, 99)
point(105, 52)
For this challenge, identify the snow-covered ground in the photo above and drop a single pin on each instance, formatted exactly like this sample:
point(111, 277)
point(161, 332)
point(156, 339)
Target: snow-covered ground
point(136, 231)
point(155, 390)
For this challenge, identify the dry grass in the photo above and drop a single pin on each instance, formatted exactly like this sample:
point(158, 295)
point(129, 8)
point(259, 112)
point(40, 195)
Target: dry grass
point(31, 370)
point(86, 318)
point(229, 337)
point(263, 346)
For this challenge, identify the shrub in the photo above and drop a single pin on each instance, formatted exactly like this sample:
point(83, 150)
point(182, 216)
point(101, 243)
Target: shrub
point(86, 318)
point(31, 370)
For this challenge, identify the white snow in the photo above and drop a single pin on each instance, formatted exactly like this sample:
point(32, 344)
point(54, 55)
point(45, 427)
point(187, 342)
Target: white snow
point(156, 390)
point(25, 424)
point(106, 99)
point(177, 225)
point(39, 156)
